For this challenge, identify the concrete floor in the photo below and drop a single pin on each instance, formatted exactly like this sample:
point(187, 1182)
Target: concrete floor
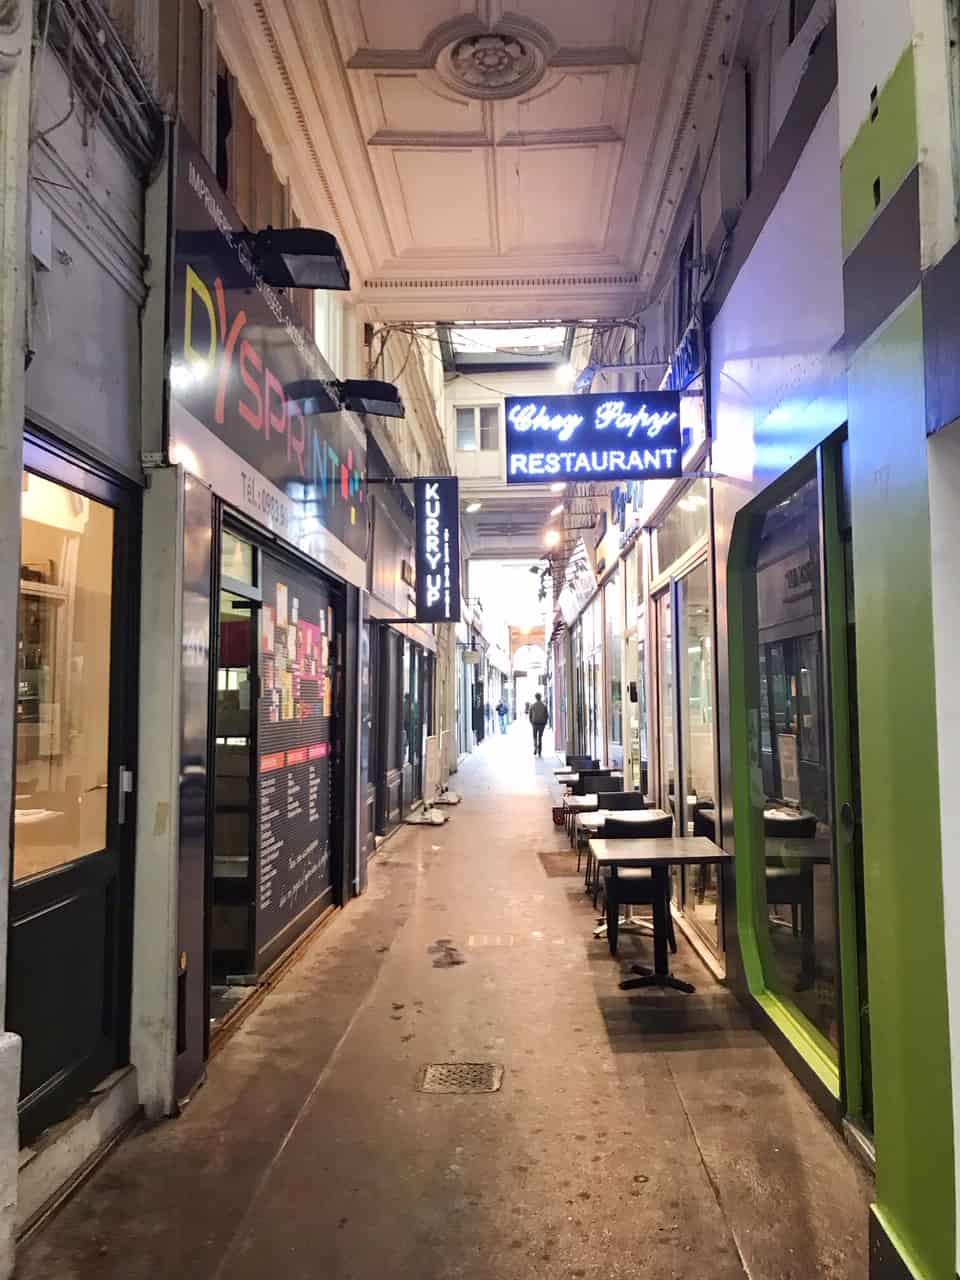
point(636, 1134)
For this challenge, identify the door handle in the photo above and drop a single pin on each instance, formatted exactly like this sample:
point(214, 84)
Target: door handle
point(124, 789)
point(847, 816)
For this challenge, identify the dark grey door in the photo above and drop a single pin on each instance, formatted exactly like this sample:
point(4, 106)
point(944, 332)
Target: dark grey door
point(72, 870)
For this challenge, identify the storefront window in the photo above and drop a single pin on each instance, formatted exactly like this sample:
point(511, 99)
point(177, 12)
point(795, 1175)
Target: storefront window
point(701, 900)
point(798, 835)
point(236, 558)
point(686, 523)
point(613, 611)
point(63, 677)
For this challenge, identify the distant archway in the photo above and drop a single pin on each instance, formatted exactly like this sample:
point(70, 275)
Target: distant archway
point(530, 657)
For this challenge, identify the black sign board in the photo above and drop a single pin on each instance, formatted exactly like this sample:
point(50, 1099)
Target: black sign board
point(436, 503)
point(626, 435)
point(235, 349)
point(294, 755)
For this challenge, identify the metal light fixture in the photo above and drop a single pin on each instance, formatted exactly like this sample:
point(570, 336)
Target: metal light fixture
point(372, 397)
point(311, 396)
point(298, 258)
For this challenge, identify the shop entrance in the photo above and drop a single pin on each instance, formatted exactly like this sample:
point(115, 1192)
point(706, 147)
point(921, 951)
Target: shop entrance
point(233, 915)
point(794, 579)
point(275, 853)
point(71, 897)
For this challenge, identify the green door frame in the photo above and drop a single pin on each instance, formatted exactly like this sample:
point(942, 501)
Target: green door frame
point(833, 588)
point(840, 1073)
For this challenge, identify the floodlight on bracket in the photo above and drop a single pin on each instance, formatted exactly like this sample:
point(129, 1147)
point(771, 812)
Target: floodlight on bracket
point(296, 257)
point(315, 396)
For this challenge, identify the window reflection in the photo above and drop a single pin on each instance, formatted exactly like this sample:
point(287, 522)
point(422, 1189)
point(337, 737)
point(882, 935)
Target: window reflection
point(63, 677)
point(613, 605)
point(798, 844)
point(701, 899)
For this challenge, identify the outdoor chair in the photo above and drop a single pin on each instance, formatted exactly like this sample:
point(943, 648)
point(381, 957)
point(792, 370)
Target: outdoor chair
point(791, 884)
point(632, 886)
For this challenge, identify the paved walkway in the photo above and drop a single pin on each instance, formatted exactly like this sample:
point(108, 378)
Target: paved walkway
point(636, 1134)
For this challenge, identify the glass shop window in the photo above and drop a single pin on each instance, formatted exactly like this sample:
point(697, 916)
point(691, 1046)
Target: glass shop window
point(788, 649)
point(236, 558)
point(686, 523)
point(63, 677)
point(613, 606)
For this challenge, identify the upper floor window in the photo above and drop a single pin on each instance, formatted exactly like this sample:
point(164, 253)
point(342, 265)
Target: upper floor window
point(478, 428)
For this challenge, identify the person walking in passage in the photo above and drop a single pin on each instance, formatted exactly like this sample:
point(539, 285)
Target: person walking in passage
point(538, 718)
point(502, 713)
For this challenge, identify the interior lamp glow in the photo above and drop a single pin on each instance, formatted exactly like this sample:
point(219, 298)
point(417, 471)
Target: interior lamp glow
point(566, 373)
point(551, 538)
point(472, 507)
point(558, 487)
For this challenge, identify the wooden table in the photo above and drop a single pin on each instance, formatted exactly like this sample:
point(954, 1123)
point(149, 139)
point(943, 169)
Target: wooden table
point(659, 856)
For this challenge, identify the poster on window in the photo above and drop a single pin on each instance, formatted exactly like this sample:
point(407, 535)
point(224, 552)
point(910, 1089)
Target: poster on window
point(294, 855)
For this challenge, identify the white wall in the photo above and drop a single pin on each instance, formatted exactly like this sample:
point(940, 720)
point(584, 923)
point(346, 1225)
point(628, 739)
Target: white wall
point(84, 380)
point(490, 389)
point(871, 44)
point(778, 382)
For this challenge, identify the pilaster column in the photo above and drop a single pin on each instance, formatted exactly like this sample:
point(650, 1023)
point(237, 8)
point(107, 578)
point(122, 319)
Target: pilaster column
point(16, 31)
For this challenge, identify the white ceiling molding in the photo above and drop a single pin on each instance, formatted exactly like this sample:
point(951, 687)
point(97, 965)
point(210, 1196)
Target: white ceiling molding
point(559, 198)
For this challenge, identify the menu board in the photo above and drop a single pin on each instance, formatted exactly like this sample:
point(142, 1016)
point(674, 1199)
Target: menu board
point(297, 639)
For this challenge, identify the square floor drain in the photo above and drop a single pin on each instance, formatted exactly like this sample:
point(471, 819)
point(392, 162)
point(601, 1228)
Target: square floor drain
point(461, 1077)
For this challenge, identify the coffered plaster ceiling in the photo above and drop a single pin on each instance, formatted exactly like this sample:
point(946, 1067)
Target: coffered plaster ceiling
point(491, 159)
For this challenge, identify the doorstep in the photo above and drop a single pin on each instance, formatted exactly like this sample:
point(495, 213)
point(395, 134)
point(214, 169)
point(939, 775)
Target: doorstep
point(65, 1154)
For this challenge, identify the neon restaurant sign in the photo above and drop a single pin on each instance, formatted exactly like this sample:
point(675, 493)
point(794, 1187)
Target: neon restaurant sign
point(629, 435)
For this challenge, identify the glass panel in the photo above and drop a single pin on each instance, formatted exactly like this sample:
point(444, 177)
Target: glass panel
point(233, 846)
point(63, 677)
point(466, 433)
point(686, 523)
point(236, 558)
point(667, 747)
point(800, 959)
point(490, 427)
point(701, 901)
point(407, 710)
point(632, 585)
point(665, 699)
point(613, 606)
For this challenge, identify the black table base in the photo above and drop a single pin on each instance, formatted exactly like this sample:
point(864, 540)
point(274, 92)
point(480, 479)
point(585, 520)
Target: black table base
point(646, 978)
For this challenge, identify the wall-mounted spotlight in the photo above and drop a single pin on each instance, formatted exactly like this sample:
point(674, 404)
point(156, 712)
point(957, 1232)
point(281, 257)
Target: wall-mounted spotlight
point(297, 258)
point(311, 396)
point(472, 507)
point(372, 397)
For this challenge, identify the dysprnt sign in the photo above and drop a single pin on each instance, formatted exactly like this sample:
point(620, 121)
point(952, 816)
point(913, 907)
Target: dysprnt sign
point(235, 348)
point(436, 503)
point(630, 435)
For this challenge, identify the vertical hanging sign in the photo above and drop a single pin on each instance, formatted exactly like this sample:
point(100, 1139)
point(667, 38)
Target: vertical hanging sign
point(437, 505)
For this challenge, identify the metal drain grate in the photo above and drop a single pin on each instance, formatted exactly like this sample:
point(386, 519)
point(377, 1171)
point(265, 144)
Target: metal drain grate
point(461, 1077)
